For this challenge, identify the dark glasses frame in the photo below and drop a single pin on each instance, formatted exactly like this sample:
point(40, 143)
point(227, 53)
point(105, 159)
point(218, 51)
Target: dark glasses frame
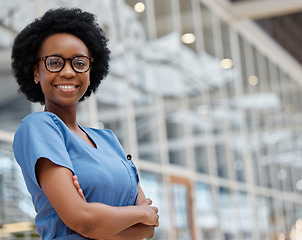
point(44, 59)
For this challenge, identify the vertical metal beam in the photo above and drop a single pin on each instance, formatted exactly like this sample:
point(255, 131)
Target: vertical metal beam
point(40, 9)
point(197, 26)
point(235, 51)
point(159, 101)
point(130, 111)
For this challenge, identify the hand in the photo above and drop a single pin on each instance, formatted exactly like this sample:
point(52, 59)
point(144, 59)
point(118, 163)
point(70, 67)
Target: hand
point(77, 186)
point(151, 212)
point(79, 190)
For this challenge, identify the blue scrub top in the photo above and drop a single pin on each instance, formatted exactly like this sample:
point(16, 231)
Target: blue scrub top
point(104, 173)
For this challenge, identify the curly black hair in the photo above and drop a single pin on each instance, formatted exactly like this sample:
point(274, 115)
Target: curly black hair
point(62, 20)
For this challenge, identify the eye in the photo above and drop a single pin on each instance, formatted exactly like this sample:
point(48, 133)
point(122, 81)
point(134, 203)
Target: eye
point(80, 62)
point(54, 62)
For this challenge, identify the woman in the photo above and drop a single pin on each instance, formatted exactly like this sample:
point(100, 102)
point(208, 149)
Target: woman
point(59, 60)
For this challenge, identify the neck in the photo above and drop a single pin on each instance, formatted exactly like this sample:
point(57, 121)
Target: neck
point(67, 114)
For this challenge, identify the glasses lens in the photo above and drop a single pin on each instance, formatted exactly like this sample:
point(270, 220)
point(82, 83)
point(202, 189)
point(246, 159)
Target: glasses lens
point(80, 64)
point(54, 63)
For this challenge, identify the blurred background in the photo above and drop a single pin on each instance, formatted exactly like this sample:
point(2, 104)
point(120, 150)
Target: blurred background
point(205, 95)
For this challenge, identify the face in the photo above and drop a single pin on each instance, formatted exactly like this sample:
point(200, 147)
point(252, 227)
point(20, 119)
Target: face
point(66, 87)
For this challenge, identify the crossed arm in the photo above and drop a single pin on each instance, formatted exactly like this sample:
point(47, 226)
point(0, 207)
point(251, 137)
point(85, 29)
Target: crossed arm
point(138, 231)
point(94, 220)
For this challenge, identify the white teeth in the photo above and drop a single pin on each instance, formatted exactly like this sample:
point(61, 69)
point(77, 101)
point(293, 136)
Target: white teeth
point(66, 86)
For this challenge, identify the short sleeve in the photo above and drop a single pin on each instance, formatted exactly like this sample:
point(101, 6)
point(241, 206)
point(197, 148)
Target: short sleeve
point(38, 136)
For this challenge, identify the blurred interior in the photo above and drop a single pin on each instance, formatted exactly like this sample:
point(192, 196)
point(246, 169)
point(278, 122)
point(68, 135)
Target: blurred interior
point(205, 95)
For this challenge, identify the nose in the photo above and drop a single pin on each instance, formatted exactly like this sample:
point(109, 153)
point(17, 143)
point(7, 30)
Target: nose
point(67, 70)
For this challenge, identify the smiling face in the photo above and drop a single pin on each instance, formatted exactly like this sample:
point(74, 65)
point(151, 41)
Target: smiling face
point(66, 87)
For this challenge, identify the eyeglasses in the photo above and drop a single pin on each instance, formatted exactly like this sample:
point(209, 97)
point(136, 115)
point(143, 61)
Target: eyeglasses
point(79, 64)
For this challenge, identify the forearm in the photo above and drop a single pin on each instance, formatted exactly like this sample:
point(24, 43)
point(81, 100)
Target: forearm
point(102, 221)
point(120, 223)
point(136, 232)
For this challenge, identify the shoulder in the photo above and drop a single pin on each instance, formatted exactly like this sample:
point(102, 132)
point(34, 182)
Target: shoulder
point(38, 123)
point(39, 120)
point(38, 116)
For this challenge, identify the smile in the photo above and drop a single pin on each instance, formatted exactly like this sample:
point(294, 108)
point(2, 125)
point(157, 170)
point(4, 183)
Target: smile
point(66, 87)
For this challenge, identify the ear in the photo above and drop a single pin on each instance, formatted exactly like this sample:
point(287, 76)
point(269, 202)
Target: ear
point(36, 74)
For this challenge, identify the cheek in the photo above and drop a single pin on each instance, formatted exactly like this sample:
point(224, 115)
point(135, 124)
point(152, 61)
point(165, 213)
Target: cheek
point(42, 74)
point(45, 81)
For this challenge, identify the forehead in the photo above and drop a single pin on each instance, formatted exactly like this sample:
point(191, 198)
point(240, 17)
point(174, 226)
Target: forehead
point(63, 44)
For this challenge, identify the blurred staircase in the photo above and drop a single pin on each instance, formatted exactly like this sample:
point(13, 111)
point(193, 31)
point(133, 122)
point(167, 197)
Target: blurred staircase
point(12, 198)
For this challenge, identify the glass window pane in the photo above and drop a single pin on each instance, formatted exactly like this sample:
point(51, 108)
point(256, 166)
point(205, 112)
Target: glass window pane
point(147, 137)
point(155, 189)
point(228, 213)
point(181, 210)
point(263, 216)
point(246, 214)
point(15, 201)
point(207, 221)
point(222, 166)
point(201, 159)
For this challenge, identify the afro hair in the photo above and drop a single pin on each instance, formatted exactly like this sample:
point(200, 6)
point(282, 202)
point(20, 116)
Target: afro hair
point(62, 20)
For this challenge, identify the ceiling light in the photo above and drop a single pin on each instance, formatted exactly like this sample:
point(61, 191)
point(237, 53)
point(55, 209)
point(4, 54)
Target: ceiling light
point(253, 80)
point(188, 38)
point(226, 63)
point(139, 7)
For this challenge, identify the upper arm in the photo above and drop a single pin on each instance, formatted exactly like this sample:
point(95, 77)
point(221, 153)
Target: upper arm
point(57, 184)
point(40, 137)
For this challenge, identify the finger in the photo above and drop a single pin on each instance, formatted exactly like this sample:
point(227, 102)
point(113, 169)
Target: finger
point(148, 201)
point(157, 222)
point(157, 225)
point(76, 182)
point(80, 191)
point(77, 185)
point(155, 209)
point(78, 188)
